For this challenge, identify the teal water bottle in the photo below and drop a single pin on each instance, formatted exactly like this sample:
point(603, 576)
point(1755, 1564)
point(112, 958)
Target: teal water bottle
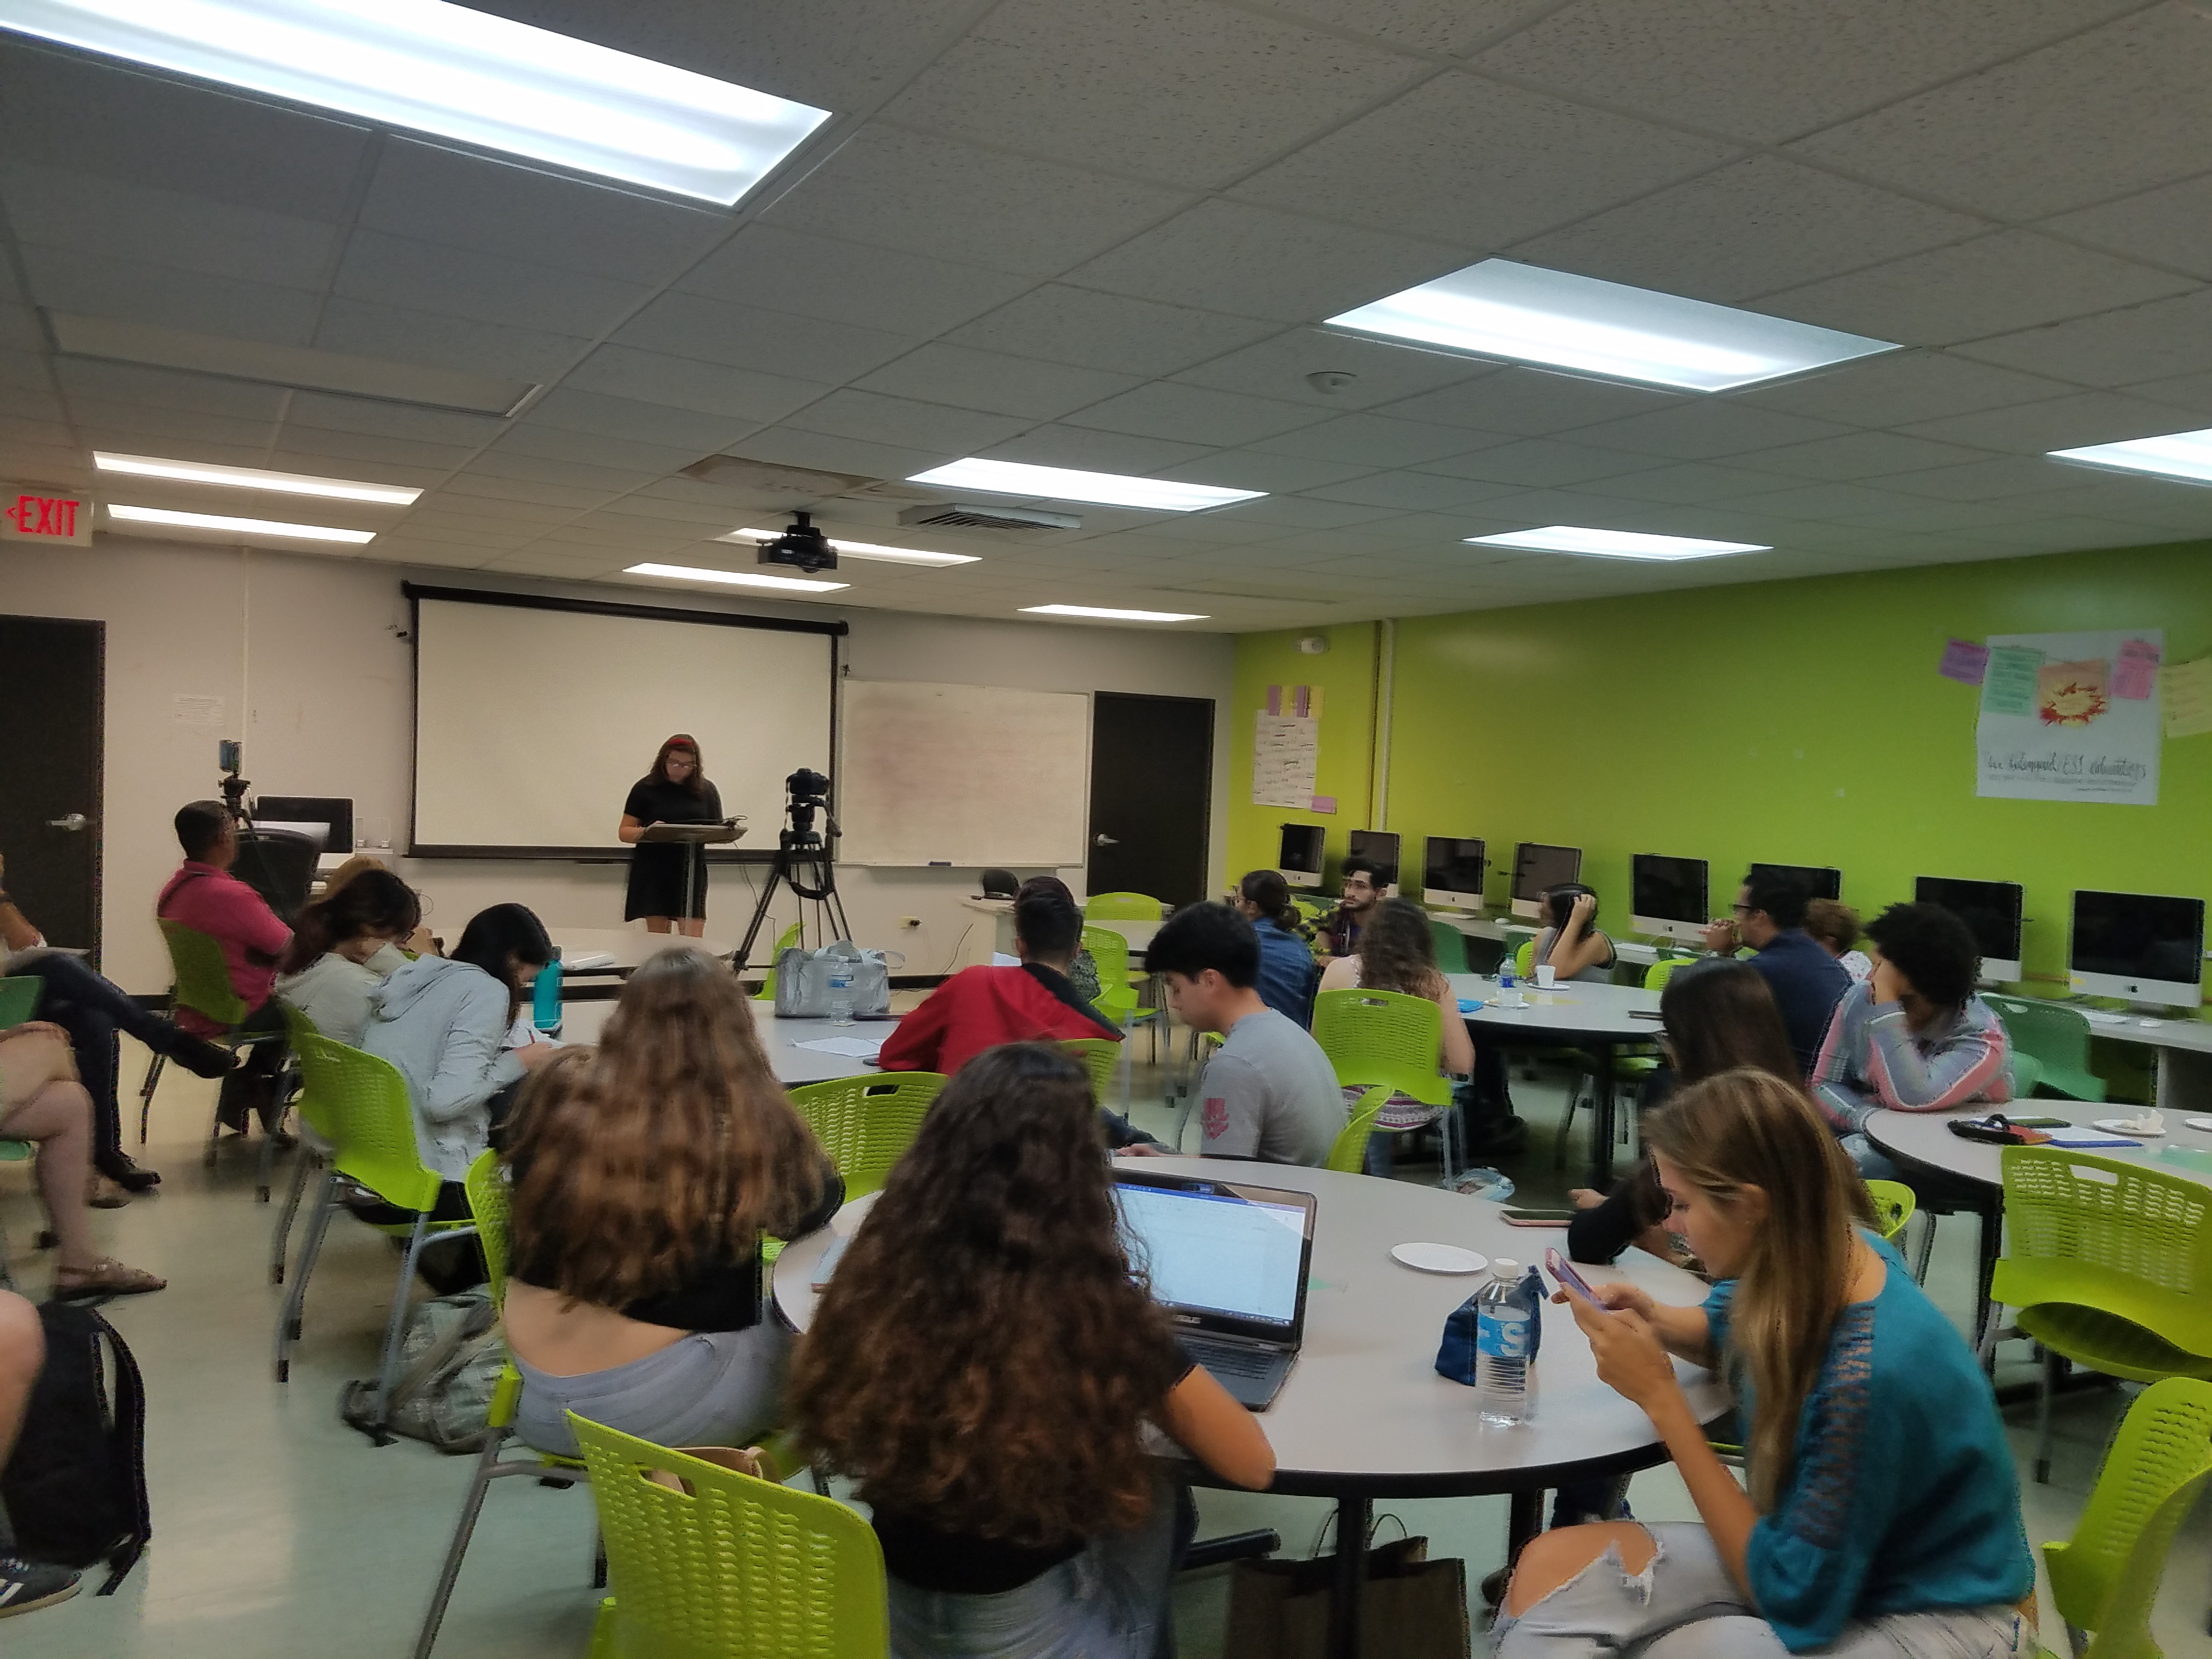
point(545, 995)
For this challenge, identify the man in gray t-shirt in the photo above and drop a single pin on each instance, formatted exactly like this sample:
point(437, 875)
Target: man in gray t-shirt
point(1269, 1093)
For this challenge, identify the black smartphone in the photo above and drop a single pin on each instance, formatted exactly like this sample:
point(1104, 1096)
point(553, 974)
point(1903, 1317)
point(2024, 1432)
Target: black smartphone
point(1516, 1217)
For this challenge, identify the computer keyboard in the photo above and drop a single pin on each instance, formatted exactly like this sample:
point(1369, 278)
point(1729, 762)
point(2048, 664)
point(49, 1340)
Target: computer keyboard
point(1227, 1360)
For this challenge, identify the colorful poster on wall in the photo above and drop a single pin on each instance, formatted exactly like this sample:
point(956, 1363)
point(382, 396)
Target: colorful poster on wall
point(2071, 717)
point(1285, 757)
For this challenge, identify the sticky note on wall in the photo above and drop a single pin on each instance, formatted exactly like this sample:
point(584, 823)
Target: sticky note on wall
point(1964, 662)
point(2008, 686)
point(2136, 673)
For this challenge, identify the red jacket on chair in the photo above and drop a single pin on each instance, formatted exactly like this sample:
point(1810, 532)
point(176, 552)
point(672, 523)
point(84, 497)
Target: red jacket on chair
point(981, 1008)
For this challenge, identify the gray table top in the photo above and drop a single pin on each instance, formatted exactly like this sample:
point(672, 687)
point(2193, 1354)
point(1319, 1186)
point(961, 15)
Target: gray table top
point(1565, 1012)
point(1364, 1409)
point(629, 946)
point(582, 1022)
point(1923, 1138)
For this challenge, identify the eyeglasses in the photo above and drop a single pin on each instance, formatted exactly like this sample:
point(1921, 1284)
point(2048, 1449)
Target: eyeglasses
point(1741, 909)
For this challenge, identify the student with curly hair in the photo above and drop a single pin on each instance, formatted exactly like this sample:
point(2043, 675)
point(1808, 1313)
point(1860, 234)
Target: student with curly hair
point(1398, 953)
point(345, 946)
point(984, 1365)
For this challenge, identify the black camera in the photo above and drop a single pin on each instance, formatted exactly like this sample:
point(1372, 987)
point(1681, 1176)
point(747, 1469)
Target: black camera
point(803, 546)
point(810, 792)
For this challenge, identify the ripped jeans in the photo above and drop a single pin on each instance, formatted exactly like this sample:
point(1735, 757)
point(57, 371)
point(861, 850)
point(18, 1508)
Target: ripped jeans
point(1684, 1606)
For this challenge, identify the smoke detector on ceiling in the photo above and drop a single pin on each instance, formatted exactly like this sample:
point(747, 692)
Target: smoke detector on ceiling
point(955, 515)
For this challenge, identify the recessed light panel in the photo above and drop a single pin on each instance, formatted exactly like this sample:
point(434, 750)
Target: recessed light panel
point(456, 72)
point(734, 578)
point(1613, 544)
point(1062, 484)
point(2184, 455)
point(247, 477)
point(1524, 314)
point(1103, 614)
point(297, 532)
point(863, 549)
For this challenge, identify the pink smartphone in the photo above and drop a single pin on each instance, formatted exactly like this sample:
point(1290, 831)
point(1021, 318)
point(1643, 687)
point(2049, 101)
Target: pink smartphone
point(1563, 1271)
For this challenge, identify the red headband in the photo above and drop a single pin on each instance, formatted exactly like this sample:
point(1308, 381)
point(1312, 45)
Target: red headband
point(682, 740)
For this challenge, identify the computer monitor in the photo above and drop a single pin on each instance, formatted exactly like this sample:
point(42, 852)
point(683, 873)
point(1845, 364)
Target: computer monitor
point(1452, 872)
point(1666, 898)
point(1299, 856)
point(1819, 880)
point(1537, 866)
point(2147, 949)
point(1380, 848)
point(1991, 910)
point(335, 810)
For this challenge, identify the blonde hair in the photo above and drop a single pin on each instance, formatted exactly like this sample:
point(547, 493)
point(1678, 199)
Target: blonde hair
point(359, 864)
point(1833, 922)
point(1750, 1128)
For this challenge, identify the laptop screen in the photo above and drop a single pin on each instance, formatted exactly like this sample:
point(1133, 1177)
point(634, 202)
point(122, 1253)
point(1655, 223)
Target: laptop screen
point(1231, 1256)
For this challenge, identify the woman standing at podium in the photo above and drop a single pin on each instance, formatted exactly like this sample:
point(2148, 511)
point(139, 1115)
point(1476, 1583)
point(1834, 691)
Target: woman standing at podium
point(675, 790)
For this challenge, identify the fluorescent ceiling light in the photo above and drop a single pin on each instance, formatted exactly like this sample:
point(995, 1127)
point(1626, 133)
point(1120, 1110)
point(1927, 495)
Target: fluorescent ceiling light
point(1064, 484)
point(1614, 544)
point(863, 549)
point(247, 477)
point(734, 578)
point(298, 533)
point(456, 72)
point(2186, 455)
point(1106, 615)
point(1527, 314)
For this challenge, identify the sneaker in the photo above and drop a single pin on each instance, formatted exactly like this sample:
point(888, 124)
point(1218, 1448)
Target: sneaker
point(26, 1586)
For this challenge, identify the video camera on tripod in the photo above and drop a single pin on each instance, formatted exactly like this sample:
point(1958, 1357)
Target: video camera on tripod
point(804, 862)
point(810, 794)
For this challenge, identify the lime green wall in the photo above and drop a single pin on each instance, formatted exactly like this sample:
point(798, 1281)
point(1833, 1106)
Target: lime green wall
point(1799, 722)
point(1345, 765)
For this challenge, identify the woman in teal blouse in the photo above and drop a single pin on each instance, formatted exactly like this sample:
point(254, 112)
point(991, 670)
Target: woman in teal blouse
point(1882, 1519)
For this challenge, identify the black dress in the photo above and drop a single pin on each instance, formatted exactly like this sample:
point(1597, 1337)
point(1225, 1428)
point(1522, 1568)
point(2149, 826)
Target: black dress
point(656, 868)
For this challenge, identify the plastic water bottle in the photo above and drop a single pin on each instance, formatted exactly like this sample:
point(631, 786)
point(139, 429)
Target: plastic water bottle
point(1504, 1339)
point(545, 995)
point(1505, 979)
point(841, 990)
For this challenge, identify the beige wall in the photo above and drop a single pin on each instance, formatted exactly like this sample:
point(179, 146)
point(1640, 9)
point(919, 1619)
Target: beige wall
point(314, 646)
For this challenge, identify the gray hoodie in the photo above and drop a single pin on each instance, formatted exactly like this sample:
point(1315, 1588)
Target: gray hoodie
point(444, 1024)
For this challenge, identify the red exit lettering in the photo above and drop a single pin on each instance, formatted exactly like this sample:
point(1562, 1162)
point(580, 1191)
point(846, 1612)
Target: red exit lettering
point(44, 515)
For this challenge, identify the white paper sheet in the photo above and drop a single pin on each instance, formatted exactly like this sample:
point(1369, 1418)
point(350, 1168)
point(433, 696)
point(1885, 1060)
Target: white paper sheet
point(853, 1048)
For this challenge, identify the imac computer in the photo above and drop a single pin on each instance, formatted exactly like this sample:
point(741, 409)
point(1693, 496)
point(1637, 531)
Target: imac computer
point(1297, 859)
point(1819, 880)
point(1667, 898)
point(1991, 910)
point(1452, 872)
point(1380, 848)
point(333, 813)
point(2147, 949)
point(1537, 866)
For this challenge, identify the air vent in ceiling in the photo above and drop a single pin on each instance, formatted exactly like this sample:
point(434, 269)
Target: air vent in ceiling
point(955, 515)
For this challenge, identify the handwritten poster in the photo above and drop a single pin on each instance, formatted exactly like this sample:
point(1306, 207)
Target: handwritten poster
point(2187, 688)
point(2071, 717)
point(1286, 750)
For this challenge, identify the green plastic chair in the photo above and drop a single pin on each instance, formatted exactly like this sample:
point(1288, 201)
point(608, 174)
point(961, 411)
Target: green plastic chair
point(2109, 1265)
point(1385, 1037)
point(19, 999)
point(865, 1123)
point(2105, 1579)
point(364, 1101)
point(1098, 1056)
point(1349, 1155)
point(1450, 947)
point(1524, 961)
point(314, 1147)
point(722, 1565)
point(2056, 1038)
point(1117, 996)
point(1121, 907)
point(12, 1151)
point(1894, 1205)
point(784, 941)
point(1657, 976)
point(202, 985)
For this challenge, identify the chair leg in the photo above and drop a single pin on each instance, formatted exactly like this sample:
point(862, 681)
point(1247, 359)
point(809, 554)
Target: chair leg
point(296, 1300)
point(1924, 1247)
point(2043, 1391)
point(280, 1237)
point(265, 1173)
point(146, 1093)
point(1566, 1125)
point(465, 1529)
point(395, 1327)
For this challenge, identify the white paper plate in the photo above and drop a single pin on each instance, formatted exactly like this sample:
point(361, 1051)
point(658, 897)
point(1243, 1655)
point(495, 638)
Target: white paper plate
point(2118, 1126)
point(1439, 1258)
point(2198, 1122)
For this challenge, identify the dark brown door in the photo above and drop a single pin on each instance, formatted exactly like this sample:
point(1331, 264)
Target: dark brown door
point(51, 721)
point(1152, 785)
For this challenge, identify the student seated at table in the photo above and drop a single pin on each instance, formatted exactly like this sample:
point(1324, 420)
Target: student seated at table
point(1807, 982)
point(985, 1365)
point(1715, 1015)
point(1914, 1038)
point(1082, 966)
point(1339, 933)
point(1398, 953)
point(1571, 945)
point(1286, 959)
point(1834, 926)
point(346, 946)
point(646, 1173)
point(1882, 1518)
point(419, 943)
point(1268, 1092)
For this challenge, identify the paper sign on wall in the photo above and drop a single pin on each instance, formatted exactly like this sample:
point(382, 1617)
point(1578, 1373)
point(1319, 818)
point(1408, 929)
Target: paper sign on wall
point(1964, 662)
point(2186, 689)
point(2137, 671)
point(1285, 755)
point(2008, 687)
point(191, 708)
point(2052, 727)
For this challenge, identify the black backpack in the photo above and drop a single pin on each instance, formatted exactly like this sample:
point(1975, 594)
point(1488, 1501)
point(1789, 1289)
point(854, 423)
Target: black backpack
point(74, 1488)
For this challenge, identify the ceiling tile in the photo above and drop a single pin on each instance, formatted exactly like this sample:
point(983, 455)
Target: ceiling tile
point(789, 447)
point(468, 529)
point(99, 413)
point(744, 337)
point(707, 388)
point(1542, 463)
point(1688, 483)
point(2169, 226)
point(1532, 402)
point(572, 410)
point(845, 282)
point(1253, 469)
point(1826, 501)
point(1278, 368)
point(540, 470)
point(595, 449)
point(1181, 90)
point(1195, 414)
point(1761, 224)
point(1997, 478)
point(332, 413)
point(2057, 129)
point(425, 462)
point(2154, 341)
point(1375, 439)
point(1449, 26)
point(492, 509)
point(968, 378)
point(1089, 450)
point(1900, 386)
point(579, 494)
point(1859, 455)
point(1543, 162)
point(159, 388)
point(1287, 514)
point(86, 213)
point(2070, 422)
point(872, 416)
point(952, 201)
point(1413, 492)
point(1107, 331)
point(1942, 518)
point(461, 283)
point(376, 330)
point(98, 286)
point(2188, 392)
point(1703, 431)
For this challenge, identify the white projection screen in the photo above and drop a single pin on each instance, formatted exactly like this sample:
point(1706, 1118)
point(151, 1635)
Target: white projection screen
point(534, 717)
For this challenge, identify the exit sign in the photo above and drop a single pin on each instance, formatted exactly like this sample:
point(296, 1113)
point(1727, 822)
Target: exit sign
point(39, 515)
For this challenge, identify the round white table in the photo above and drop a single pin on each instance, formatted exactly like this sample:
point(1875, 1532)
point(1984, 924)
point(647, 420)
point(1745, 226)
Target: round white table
point(1364, 1413)
point(583, 1022)
point(1601, 1018)
point(631, 947)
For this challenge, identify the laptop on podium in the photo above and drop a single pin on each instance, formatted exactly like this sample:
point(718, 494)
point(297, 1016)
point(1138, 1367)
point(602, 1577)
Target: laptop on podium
point(1228, 1260)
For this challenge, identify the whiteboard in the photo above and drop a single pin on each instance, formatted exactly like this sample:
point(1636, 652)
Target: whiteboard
point(531, 724)
point(972, 775)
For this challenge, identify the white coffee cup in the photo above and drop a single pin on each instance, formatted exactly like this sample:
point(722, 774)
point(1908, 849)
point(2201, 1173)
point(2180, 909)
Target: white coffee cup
point(1547, 977)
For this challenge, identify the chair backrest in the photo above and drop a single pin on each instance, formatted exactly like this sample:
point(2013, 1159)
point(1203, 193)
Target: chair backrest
point(1383, 1037)
point(1098, 1056)
point(1349, 1155)
point(1451, 946)
point(1110, 952)
point(1894, 1205)
point(1657, 976)
point(1121, 907)
point(865, 1123)
point(19, 999)
point(369, 1119)
point(203, 975)
point(1524, 959)
point(490, 1199)
point(784, 941)
point(2053, 1034)
point(726, 1564)
point(2105, 1578)
point(2130, 1241)
point(298, 1027)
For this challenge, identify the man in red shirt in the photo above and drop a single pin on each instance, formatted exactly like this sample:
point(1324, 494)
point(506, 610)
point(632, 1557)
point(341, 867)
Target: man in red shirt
point(205, 896)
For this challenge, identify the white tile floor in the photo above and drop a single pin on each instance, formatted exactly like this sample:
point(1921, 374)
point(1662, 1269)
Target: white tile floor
point(280, 1532)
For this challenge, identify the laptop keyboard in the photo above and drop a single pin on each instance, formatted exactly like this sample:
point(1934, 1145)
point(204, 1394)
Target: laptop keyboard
point(1227, 1360)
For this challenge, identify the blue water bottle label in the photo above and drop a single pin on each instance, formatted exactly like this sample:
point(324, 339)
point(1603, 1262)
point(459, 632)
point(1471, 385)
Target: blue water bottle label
point(1503, 1335)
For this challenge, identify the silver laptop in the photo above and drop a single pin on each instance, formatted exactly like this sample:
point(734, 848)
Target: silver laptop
point(1228, 1260)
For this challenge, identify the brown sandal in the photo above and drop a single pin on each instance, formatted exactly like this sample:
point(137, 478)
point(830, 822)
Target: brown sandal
point(101, 1193)
point(105, 1277)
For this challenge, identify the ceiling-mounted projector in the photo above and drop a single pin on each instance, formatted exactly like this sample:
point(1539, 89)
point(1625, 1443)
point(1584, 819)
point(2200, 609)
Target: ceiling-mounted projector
point(802, 545)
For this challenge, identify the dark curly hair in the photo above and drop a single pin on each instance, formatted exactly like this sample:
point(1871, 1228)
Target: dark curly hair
point(1397, 952)
point(1932, 948)
point(984, 1357)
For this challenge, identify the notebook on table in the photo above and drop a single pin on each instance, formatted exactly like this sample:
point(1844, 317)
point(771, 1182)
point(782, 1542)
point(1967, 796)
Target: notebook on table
point(1228, 1261)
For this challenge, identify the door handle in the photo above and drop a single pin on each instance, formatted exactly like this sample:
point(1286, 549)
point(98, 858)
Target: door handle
point(1101, 839)
point(74, 821)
